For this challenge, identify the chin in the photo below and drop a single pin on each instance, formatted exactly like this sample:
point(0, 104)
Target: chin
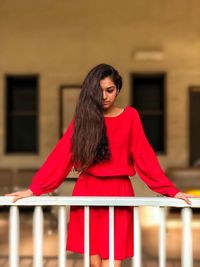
point(107, 106)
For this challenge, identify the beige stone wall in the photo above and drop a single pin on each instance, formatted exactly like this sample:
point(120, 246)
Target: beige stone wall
point(61, 40)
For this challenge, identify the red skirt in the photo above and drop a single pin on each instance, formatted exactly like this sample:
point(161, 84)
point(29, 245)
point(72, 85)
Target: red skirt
point(88, 185)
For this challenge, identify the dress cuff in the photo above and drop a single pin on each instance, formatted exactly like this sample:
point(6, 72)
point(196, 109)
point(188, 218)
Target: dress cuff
point(173, 191)
point(36, 190)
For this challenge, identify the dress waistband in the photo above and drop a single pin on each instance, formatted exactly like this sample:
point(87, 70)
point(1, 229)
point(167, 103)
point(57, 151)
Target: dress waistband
point(87, 174)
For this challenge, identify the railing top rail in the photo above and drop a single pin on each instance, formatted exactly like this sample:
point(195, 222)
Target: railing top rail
point(99, 201)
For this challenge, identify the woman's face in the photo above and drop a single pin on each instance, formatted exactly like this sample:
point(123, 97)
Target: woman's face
point(109, 91)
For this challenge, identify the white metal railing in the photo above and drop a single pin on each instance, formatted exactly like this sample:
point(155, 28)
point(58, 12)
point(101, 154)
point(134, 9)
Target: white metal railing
point(87, 202)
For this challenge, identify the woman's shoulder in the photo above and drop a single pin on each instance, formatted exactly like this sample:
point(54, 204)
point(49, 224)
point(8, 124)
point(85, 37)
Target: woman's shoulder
point(131, 110)
point(133, 115)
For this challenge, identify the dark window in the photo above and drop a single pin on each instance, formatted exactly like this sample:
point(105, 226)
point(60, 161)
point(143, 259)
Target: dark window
point(194, 123)
point(148, 99)
point(22, 114)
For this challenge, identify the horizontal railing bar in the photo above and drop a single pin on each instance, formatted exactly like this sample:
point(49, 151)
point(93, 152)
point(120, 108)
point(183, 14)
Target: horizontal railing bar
point(100, 201)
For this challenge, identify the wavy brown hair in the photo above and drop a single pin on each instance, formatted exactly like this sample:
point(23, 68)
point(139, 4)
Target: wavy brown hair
point(89, 140)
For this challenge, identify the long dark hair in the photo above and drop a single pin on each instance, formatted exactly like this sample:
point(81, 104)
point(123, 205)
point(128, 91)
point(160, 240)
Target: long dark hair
point(89, 140)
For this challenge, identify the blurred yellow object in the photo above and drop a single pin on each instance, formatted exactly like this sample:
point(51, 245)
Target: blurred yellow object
point(194, 192)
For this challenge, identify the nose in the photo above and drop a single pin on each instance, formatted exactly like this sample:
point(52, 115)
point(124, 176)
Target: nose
point(104, 95)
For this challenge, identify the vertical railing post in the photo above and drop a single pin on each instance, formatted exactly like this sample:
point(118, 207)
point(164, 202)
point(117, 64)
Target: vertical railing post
point(162, 238)
point(86, 236)
point(111, 236)
point(137, 238)
point(187, 257)
point(62, 220)
point(14, 236)
point(38, 237)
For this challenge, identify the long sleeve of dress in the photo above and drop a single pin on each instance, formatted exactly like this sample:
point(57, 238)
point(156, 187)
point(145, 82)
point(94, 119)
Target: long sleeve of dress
point(56, 167)
point(146, 162)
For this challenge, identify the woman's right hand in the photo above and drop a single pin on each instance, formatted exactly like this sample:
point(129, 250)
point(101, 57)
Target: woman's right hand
point(20, 194)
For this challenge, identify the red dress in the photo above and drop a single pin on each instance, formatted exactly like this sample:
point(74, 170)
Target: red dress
point(130, 152)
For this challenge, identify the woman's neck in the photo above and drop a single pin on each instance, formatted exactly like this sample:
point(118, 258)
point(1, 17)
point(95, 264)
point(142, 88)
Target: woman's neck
point(112, 111)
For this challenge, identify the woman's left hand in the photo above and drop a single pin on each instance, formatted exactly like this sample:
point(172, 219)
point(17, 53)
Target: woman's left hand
point(184, 196)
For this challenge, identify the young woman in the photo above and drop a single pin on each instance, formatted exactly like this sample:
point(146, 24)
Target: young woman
point(105, 144)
